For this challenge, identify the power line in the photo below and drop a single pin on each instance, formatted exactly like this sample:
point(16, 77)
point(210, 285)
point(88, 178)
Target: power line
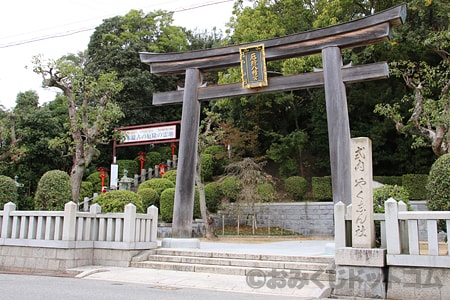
point(76, 31)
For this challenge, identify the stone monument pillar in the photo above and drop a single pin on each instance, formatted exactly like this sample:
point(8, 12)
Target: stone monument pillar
point(360, 269)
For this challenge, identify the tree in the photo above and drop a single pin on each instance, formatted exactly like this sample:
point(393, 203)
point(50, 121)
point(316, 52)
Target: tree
point(426, 116)
point(210, 134)
point(90, 111)
point(115, 47)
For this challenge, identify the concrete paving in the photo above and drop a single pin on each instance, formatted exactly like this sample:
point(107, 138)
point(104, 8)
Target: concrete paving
point(245, 284)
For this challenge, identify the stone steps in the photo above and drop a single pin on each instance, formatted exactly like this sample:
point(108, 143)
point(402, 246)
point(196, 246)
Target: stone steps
point(317, 268)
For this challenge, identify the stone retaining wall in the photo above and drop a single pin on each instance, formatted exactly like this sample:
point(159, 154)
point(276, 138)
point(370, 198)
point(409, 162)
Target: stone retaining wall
point(41, 259)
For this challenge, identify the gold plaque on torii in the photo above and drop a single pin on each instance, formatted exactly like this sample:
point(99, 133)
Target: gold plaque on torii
point(253, 66)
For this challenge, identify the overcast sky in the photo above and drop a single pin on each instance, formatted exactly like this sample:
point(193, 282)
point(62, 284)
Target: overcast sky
point(42, 21)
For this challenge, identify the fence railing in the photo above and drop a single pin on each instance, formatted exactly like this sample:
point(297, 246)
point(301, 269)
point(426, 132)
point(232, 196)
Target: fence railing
point(404, 247)
point(400, 235)
point(73, 229)
point(153, 173)
point(343, 222)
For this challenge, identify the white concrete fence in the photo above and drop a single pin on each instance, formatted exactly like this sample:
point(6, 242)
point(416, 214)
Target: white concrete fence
point(73, 229)
point(399, 232)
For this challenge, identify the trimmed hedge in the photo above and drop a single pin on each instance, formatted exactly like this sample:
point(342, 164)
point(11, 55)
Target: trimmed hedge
point(115, 201)
point(86, 190)
point(171, 175)
point(166, 203)
point(438, 185)
point(158, 184)
point(383, 193)
point(96, 181)
point(321, 188)
point(207, 166)
point(266, 192)
point(219, 154)
point(391, 180)
point(8, 191)
point(415, 184)
point(53, 191)
point(231, 187)
point(296, 187)
point(213, 194)
point(149, 197)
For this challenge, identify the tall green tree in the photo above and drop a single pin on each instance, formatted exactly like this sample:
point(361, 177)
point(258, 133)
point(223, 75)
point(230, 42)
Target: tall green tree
point(423, 112)
point(89, 108)
point(115, 47)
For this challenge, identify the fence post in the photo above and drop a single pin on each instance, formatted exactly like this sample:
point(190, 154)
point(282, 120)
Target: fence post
point(339, 224)
point(70, 220)
point(86, 204)
point(174, 162)
point(7, 221)
point(129, 226)
point(403, 227)
point(143, 176)
point(153, 211)
point(392, 226)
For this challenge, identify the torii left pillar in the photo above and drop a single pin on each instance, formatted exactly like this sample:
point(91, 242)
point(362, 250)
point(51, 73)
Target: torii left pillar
point(183, 209)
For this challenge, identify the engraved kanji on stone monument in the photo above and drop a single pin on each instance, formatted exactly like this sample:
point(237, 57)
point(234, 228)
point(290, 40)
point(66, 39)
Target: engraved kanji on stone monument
point(362, 194)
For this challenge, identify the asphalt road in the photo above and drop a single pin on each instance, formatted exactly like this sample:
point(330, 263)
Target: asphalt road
point(24, 286)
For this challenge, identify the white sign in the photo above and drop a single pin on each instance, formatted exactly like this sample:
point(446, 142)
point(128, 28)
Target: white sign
point(149, 134)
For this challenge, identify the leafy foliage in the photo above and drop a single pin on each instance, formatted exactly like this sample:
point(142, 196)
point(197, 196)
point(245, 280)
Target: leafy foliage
point(166, 204)
point(153, 158)
point(415, 185)
point(158, 184)
point(171, 175)
point(266, 192)
point(115, 201)
point(213, 194)
point(296, 186)
point(53, 191)
point(8, 190)
point(321, 188)
point(438, 185)
point(207, 166)
point(383, 193)
point(149, 197)
point(231, 187)
point(130, 165)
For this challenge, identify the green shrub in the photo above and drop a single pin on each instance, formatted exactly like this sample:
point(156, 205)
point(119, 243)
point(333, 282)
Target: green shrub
point(391, 180)
point(219, 154)
point(131, 166)
point(231, 187)
point(438, 185)
point(86, 190)
point(166, 153)
point(321, 188)
point(115, 201)
point(166, 203)
point(96, 181)
point(296, 186)
point(207, 166)
point(415, 185)
point(171, 175)
point(158, 184)
point(53, 191)
point(383, 193)
point(213, 196)
point(149, 197)
point(152, 159)
point(266, 192)
point(8, 191)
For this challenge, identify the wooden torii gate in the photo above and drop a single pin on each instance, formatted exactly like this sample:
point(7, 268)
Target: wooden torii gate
point(328, 41)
